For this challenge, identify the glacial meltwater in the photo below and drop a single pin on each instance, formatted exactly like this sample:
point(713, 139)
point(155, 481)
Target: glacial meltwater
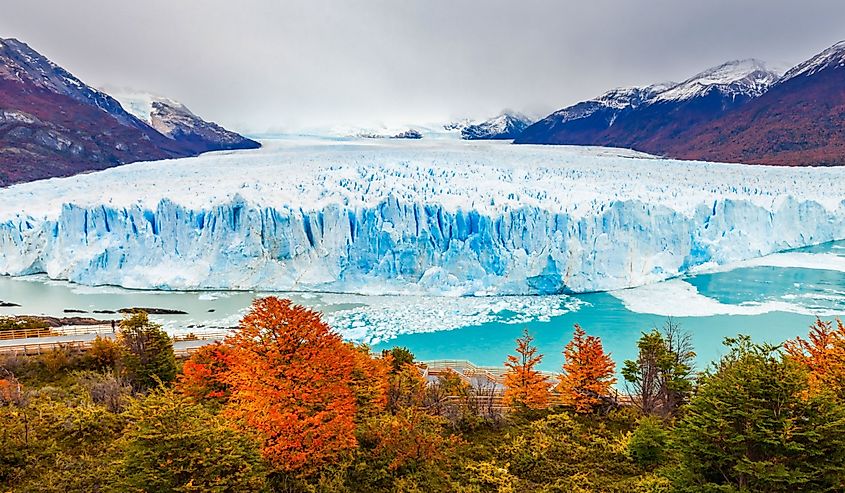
point(771, 299)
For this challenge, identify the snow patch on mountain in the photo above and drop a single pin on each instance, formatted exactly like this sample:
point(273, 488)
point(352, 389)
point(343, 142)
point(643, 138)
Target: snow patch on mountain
point(618, 99)
point(412, 217)
point(139, 104)
point(833, 57)
point(749, 78)
point(174, 120)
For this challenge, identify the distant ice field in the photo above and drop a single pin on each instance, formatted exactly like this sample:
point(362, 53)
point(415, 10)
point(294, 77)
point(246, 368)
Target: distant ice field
point(482, 176)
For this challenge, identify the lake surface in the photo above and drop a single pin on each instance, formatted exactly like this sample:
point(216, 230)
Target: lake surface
point(770, 299)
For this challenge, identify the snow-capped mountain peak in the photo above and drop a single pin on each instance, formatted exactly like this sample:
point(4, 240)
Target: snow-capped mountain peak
point(749, 78)
point(620, 98)
point(505, 126)
point(141, 105)
point(174, 120)
point(830, 58)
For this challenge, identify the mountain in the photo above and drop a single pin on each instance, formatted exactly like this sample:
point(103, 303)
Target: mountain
point(650, 119)
point(581, 122)
point(506, 126)
point(175, 121)
point(52, 124)
point(798, 121)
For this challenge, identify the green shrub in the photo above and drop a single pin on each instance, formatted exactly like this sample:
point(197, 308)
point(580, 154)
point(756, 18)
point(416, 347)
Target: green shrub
point(148, 357)
point(647, 444)
point(174, 445)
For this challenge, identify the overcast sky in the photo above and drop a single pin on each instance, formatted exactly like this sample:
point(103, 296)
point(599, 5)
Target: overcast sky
point(258, 65)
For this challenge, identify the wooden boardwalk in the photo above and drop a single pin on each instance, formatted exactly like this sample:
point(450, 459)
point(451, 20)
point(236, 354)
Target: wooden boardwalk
point(470, 372)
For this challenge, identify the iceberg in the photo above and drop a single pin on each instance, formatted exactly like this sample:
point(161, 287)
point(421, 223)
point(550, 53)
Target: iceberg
point(412, 217)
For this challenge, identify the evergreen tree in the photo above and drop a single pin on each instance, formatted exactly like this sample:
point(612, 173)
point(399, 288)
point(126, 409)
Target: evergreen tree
point(525, 386)
point(148, 352)
point(753, 426)
point(649, 442)
point(399, 357)
point(660, 379)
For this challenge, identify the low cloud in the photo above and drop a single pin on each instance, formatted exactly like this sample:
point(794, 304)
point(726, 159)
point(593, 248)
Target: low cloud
point(260, 65)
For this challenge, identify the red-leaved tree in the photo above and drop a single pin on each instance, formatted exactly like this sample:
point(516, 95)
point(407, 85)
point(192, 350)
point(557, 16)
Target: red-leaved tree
point(290, 380)
point(203, 374)
point(823, 355)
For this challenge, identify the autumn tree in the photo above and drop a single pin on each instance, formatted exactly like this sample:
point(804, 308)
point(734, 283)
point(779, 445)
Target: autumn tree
point(369, 381)
point(525, 386)
point(103, 354)
point(406, 386)
point(148, 357)
point(411, 446)
point(587, 372)
point(290, 380)
point(660, 380)
point(203, 375)
point(11, 392)
point(823, 355)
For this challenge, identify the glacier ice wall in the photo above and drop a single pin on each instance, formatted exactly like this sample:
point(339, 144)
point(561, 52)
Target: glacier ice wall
point(450, 218)
point(399, 247)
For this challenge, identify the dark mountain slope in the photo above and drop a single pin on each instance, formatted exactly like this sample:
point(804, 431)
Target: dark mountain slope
point(52, 124)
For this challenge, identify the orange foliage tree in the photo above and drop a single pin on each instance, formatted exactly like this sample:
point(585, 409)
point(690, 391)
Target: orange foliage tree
point(10, 391)
point(405, 388)
point(823, 355)
point(408, 441)
point(290, 380)
point(524, 384)
point(587, 372)
point(202, 377)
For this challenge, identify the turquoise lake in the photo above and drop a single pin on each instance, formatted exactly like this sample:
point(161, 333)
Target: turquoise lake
point(770, 299)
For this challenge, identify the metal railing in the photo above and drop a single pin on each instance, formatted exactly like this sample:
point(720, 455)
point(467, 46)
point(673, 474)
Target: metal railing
point(38, 348)
point(208, 335)
point(78, 330)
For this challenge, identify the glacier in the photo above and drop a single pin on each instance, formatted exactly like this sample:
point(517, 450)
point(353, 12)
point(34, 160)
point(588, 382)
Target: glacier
point(430, 217)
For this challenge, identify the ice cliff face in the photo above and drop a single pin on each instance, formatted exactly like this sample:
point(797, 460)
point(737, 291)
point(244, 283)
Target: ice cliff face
point(411, 217)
